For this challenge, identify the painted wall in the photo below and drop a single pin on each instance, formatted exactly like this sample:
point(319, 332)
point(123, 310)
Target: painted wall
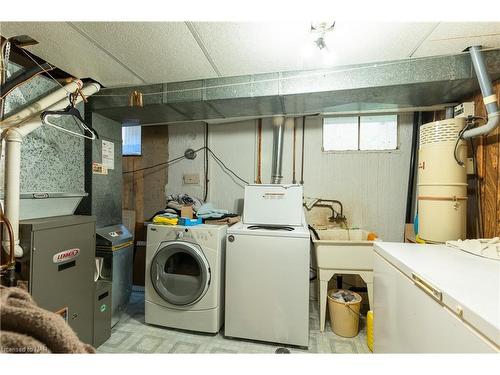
point(371, 185)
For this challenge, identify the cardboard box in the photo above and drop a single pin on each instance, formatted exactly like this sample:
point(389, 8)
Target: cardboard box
point(187, 211)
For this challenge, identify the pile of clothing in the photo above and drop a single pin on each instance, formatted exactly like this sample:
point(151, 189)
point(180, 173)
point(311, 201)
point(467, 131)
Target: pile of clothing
point(176, 201)
point(206, 211)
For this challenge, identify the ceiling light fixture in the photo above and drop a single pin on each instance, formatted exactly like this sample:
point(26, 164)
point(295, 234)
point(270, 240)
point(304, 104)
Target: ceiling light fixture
point(319, 30)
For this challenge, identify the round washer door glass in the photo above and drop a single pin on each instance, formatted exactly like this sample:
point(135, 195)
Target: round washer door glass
point(180, 273)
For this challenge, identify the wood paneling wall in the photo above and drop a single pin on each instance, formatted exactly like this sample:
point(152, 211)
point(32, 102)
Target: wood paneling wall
point(488, 160)
point(144, 191)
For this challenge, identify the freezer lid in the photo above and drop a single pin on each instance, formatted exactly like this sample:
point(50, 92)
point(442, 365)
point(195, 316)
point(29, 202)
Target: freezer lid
point(113, 235)
point(467, 284)
point(252, 230)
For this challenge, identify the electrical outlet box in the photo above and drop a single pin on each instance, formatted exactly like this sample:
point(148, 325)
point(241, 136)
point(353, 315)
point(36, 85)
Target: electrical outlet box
point(465, 109)
point(191, 179)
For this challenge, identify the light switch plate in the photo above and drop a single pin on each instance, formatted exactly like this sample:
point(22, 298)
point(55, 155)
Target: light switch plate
point(191, 179)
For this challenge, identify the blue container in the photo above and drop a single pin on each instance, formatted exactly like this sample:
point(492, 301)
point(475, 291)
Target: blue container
point(189, 222)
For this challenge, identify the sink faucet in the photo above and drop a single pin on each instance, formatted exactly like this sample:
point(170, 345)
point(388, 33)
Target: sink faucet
point(319, 202)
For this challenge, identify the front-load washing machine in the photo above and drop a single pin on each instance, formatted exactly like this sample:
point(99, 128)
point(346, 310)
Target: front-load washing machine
point(185, 276)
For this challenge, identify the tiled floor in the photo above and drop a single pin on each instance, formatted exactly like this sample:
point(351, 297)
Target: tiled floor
point(132, 335)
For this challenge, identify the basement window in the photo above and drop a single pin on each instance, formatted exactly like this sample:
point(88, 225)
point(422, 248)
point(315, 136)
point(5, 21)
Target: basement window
point(360, 133)
point(131, 140)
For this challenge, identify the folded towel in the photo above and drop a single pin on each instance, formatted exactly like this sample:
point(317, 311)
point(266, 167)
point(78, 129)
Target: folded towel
point(484, 247)
point(209, 211)
point(165, 220)
point(27, 328)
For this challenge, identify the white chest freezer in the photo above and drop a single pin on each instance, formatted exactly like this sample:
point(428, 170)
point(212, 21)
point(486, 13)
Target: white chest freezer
point(270, 204)
point(435, 299)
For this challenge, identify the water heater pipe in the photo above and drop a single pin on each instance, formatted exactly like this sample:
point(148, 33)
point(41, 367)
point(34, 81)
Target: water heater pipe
point(489, 97)
point(278, 136)
point(14, 136)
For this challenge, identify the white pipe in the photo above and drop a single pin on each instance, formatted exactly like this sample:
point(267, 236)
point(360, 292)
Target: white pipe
point(13, 142)
point(41, 104)
point(14, 136)
point(34, 123)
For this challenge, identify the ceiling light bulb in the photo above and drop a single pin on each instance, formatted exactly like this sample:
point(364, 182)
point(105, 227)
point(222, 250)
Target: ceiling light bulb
point(320, 42)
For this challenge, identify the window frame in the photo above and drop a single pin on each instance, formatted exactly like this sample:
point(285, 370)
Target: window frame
point(358, 151)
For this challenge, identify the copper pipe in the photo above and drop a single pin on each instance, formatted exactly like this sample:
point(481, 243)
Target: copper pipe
point(10, 264)
point(135, 99)
point(259, 152)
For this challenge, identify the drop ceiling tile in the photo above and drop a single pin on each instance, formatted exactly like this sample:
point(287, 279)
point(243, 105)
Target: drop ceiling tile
point(454, 37)
point(252, 48)
point(156, 51)
point(64, 47)
point(368, 42)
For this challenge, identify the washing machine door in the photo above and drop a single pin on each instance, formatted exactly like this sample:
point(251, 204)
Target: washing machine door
point(180, 273)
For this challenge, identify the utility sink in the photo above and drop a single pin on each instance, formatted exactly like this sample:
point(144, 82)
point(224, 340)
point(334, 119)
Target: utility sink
point(339, 248)
point(342, 251)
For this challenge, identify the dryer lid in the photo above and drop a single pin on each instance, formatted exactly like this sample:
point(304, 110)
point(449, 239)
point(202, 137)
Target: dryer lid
point(180, 272)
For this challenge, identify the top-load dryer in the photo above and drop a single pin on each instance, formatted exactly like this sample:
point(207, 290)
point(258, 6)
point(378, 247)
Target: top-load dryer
point(185, 276)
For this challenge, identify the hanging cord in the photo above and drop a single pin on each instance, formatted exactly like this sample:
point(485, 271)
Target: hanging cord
point(459, 162)
point(225, 167)
point(470, 121)
point(183, 157)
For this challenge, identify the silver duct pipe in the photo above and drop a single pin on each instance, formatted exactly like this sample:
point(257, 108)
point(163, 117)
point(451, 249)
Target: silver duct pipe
point(278, 136)
point(489, 97)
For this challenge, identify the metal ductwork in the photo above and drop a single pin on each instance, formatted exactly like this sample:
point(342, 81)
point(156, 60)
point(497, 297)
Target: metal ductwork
point(278, 136)
point(489, 97)
point(412, 84)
